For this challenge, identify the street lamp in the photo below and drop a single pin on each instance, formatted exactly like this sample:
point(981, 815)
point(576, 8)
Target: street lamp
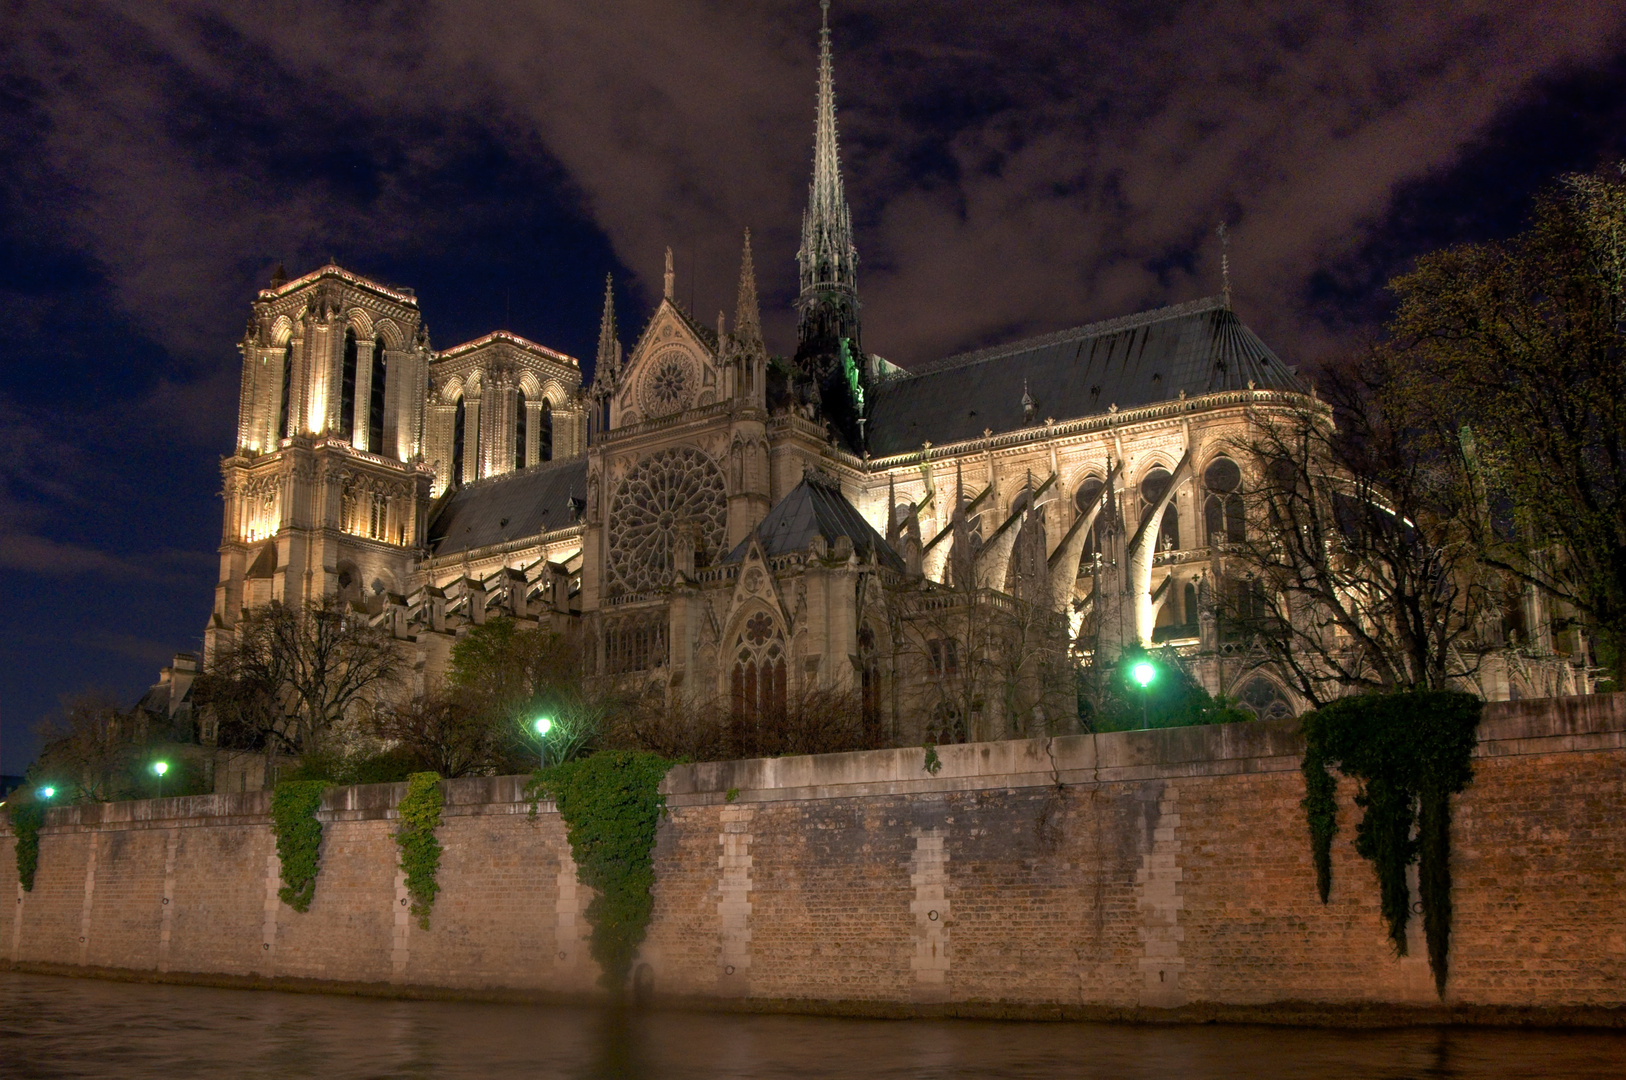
point(47, 792)
point(160, 767)
point(1143, 673)
point(544, 724)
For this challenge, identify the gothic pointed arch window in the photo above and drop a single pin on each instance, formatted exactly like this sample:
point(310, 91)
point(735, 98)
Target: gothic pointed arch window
point(1222, 511)
point(375, 400)
point(1263, 698)
point(1153, 486)
point(544, 432)
point(283, 406)
point(459, 424)
point(1084, 501)
point(347, 387)
point(757, 682)
point(520, 420)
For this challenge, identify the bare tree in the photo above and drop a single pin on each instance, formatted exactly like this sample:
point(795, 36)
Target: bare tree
point(90, 749)
point(1359, 569)
point(290, 677)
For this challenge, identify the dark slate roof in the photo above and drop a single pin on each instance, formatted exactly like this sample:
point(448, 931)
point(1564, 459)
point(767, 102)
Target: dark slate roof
point(525, 502)
point(1200, 347)
point(816, 506)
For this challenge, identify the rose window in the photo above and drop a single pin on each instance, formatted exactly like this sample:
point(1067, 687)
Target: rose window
point(669, 385)
point(664, 493)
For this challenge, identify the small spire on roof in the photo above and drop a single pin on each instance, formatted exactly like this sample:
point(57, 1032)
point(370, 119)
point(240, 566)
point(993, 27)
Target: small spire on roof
point(747, 312)
point(1028, 403)
point(609, 348)
point(1225, 262)
point(671, 277)
point(279, 277)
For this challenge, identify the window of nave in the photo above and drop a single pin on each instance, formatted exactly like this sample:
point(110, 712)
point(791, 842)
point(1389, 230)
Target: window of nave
point(1222, 510)
point(757, 682)
point(634, 643)
point(1153, 486)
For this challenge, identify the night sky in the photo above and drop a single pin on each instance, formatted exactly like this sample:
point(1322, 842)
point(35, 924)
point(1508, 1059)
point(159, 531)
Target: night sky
point(1014, 168)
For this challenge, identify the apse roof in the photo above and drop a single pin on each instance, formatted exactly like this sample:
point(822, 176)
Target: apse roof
point(525, 502)
point(1200, 348)
point(816, 507)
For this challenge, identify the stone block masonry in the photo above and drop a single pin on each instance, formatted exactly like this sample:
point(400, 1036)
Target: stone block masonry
point(1160, 873)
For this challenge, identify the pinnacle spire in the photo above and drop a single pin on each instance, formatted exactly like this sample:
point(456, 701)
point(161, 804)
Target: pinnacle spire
point(828, 260)
point(609, 348)
point(747, 312)
point(671, 277)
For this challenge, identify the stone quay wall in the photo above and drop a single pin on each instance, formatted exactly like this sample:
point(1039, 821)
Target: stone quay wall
point(1158, 873)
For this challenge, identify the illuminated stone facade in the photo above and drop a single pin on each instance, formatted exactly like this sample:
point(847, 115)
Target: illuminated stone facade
point(717, 523)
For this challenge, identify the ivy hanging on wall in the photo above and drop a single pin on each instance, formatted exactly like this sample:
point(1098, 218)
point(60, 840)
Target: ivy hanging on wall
point(1408, 753)
point(611, 805)
point(419, 812)
point(299, 839)
point(25, 827)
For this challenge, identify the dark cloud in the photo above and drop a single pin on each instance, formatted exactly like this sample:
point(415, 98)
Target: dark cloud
point(1014, 167)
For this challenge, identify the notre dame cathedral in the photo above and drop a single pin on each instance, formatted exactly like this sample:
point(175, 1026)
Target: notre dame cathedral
point(717, 522)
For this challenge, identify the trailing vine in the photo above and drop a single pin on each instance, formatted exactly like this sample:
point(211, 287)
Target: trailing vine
point(299, 839)
point(419, 811)
point(611, 804)
point(25, 827)
point(1408, 753)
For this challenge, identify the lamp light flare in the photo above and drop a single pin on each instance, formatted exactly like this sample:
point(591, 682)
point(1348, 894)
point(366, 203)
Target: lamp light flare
point(160, 767)
point(543, 726)
point(1144, 673)
point(47, 792)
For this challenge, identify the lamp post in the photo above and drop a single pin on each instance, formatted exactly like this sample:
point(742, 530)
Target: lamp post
point(1143, 673)
point(160, 767)
point(544, 724)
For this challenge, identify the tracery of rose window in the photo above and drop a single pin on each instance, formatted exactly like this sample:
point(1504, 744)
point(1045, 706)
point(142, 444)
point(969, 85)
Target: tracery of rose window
point(670, 490)
point(757, 683)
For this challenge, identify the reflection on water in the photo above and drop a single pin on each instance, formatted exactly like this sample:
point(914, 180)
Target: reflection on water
point(55, 1027)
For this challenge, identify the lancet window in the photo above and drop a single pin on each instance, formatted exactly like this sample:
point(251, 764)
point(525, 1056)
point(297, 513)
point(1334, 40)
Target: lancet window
point(375, 403)
point(287, 387)
point(459, 419)
point(519, 429)
point(758, 679)
point(1152, 488)
point(634, 643)
point(1222, 512)
point(544, 432)
point(347, 387)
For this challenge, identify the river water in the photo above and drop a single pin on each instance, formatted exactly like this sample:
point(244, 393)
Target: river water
point(60, 1027)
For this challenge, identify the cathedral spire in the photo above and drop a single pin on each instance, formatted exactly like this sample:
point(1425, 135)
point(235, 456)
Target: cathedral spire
point(609, 348)
point(828, 302)
point(671, 277)
point(747, 313)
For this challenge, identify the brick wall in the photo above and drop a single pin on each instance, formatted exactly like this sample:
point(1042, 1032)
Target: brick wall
point(1140, 870)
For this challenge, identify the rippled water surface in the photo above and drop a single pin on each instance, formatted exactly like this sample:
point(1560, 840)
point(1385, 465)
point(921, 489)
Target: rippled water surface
point(57, 1027)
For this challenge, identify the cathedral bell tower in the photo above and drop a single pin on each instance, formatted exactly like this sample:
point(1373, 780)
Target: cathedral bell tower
point(832, 370)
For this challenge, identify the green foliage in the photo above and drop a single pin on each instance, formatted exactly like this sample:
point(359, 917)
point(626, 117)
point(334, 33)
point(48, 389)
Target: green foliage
point(299, 839)
point(933, 762)
point(1409, 752)
point(26, 819)
point(419, 811)
point(611, 804)
point(1113, 701)
point(731, 794)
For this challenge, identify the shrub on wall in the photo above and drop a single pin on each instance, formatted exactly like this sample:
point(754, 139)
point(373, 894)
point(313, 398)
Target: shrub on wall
point(611, 804)
point(26, 820)
point(419, 812)
point(1408, 753)
point(299, 839)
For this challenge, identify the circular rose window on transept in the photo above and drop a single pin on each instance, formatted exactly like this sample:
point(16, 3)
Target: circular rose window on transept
point(669, 386)
point(665, 492)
